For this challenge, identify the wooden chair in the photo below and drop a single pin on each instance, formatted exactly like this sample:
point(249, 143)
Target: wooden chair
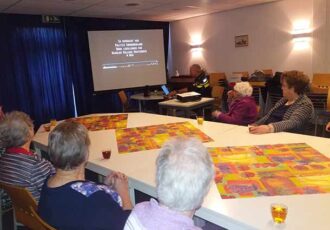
point(243, 73)
point(321, 79)
point(268, 72)
point(125, 102)
point(240, 76)
point(320, 103)
point(25, 207)
point(5, 206)
point(217, 92)
point(217, 78)
point(261, 104)
point(328, 100)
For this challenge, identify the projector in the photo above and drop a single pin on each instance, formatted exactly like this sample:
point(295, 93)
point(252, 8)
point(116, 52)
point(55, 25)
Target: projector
point(190, 96)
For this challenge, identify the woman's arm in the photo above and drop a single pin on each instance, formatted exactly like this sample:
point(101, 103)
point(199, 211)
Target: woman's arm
point(119, 182)
point(302, 113)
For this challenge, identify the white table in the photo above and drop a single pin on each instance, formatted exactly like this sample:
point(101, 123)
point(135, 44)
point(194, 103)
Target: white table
point(305, 211)
point(187, 107)
point(141, 98)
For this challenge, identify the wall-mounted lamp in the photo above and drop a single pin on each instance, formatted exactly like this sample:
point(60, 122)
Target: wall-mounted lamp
point(196, 46)
point(302, 35)
point(301, 26)
point(196, 50)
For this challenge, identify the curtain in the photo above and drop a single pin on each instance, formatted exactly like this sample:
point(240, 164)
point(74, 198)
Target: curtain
point(35, 73)
point(81, 69)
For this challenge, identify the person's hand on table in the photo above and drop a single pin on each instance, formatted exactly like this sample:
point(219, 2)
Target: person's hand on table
point(172, 93)
point(119, 182)
point(216, 113)
point(110, 179)
point(327, 128)
point(260, 129)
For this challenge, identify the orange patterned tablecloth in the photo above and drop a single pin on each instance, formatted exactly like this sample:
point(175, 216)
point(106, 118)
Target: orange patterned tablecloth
point(153, 137)
point(94, 123)
point(270, 170)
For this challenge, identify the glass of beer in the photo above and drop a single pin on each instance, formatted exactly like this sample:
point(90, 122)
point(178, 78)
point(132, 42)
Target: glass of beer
point(279, 212)
point(53, 122)
point(200, 120)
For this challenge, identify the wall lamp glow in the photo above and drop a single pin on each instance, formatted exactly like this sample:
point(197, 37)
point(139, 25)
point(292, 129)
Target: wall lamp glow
point(302, 35)
point(301, 41)
point(301, 26)
point(196, 46)
point(196, 51)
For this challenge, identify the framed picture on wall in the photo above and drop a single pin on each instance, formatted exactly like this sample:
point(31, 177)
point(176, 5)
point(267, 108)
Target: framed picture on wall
point(241, 40)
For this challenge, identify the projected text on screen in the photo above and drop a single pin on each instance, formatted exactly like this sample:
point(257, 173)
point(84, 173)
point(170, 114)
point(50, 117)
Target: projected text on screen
point(126, 59)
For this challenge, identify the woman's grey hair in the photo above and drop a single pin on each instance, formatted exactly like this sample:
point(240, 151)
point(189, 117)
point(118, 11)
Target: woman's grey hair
point(184, 174)
point(16, 129)
point(243, 88)
point(68, 145)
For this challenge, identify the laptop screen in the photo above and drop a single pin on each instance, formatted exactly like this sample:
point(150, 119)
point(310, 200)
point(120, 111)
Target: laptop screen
point(165, 90)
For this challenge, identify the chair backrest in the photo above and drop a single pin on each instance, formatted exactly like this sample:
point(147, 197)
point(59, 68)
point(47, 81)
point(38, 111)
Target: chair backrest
point(274, 97)
point(217, 92)
point(321, 79)
point(124, 100)
point(268, 72)
point(25, 207)
point(318, 90)
point(216, 78)
point(328, 100)
point(243, 73)
point(256, 93)
point(319, 101)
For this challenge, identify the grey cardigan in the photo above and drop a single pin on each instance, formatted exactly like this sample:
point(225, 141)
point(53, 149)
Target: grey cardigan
point(295, 118)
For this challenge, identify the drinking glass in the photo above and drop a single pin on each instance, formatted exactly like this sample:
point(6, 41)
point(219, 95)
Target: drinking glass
point(279, 212)
point(200, 120)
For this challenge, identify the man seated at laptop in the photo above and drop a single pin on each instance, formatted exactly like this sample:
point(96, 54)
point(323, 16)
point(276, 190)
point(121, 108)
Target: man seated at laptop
point(201, 84)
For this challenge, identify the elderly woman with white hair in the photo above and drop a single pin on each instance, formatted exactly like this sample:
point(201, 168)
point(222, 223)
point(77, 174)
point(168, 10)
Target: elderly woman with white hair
point(242, 109)
point(18, 164)
point(183, 177)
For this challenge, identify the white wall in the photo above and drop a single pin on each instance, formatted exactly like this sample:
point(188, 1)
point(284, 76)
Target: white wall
point(268, 26)
point(321, 36)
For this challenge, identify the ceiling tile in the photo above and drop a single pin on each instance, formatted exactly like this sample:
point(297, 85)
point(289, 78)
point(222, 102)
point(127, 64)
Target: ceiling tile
point(4, 4)
point(56, 7)
point(158, 10)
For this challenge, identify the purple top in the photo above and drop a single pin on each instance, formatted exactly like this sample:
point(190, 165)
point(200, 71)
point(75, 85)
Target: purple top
point(242, 111)
point(151, 215)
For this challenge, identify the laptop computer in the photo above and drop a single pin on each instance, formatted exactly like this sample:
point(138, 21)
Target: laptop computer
point(165, 90)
